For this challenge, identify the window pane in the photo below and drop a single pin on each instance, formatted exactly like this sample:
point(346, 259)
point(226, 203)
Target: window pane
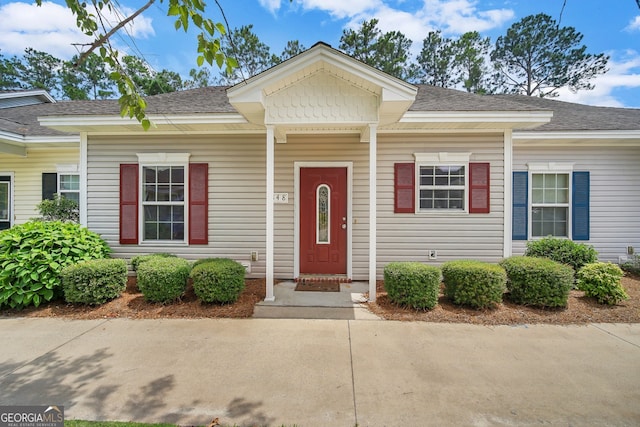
point(426, 175)
point(151, 213)
point(549, 196)
point(164, 231)
point(538, 180)
point(162, 193)
point(537, 196)
point(550, 180)
point(149, 174)
point(70, 182)
point(322, 214)
point(548, 221)
point(177, 175)
point(177, 193)
point(151, 231)
point(71, 196)
point(164, 174)
point(563, 196)
point(446, 187)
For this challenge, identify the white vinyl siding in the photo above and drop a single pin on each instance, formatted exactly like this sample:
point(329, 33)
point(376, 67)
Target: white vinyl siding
point(27, 179)
point(236, 192)
point(408, 237)
point(615, 192)
point(237, 197)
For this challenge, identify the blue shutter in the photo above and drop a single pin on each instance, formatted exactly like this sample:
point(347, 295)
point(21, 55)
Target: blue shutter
point(520, 213)
point(580, 206)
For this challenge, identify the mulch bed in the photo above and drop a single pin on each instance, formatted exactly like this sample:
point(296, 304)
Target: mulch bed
point(580, 310)
point(131, 304)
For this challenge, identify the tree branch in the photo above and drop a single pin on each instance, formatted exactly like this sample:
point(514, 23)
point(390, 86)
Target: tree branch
point(106, 37)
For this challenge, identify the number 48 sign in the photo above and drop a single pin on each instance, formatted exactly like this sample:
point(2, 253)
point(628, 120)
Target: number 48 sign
point(281, 198)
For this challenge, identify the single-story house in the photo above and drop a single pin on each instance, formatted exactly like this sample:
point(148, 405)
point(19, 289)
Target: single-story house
point(325, 166)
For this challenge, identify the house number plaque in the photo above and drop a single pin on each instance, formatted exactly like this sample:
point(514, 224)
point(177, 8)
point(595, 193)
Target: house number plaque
point(281, 197)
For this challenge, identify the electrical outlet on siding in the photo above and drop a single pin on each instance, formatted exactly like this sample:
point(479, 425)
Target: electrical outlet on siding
point(432, 254)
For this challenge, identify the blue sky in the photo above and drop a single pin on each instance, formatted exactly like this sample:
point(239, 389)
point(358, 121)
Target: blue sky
point(609, 26)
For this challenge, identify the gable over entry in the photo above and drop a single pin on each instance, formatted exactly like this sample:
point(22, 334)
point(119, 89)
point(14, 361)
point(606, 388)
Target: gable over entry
point(321, 91)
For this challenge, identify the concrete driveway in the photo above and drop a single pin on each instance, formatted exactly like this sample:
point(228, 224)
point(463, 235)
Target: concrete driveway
point(324, 372)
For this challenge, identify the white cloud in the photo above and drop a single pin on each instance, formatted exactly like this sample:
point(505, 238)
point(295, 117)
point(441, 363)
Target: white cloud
point(623, 74)
point(52, 28)
point(453, 17)
point(271, 5)
point(341, 9)
point(634, 25)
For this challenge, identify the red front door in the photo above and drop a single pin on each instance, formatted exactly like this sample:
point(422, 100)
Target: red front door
point(323, 220)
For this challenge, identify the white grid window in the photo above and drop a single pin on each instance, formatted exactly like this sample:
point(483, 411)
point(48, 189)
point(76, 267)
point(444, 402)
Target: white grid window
point(442, 187)
point(550, 204)
point(163, 203)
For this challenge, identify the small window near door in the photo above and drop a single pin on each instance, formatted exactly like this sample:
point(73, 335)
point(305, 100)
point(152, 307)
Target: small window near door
point(69, 187)
point(322, 214)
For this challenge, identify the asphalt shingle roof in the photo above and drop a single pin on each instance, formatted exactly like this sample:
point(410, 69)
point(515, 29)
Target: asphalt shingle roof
point(211, 100)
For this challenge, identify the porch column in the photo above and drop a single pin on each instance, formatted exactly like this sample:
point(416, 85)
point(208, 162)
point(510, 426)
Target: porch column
point(373, 205)
point(508, 207)
point(84, 180)
point(270, 212)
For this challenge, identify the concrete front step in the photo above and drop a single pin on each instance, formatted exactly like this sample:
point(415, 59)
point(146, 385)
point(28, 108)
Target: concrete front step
point(297, 312)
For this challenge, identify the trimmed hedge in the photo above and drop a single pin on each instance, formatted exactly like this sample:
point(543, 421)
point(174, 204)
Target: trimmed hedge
point(163, 279)
point(138, 259)
point(564, 251)
point(601, 280)
point(33, 254)
point(218, 280)
point(474, 283)
point(538, 281)
point(94, 282)
point(412, 284)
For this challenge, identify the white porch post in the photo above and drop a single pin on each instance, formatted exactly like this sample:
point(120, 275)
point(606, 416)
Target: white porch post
point(270, 211)
point(508, 174)
point(84, 178)
point(373, 160)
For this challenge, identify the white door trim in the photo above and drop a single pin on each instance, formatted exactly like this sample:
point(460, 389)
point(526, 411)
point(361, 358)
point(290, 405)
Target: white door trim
point(296, 214)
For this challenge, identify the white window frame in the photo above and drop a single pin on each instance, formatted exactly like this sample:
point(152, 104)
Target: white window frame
point(555, 168)
point(438, 160)
point(67, 170)
point(163, 160)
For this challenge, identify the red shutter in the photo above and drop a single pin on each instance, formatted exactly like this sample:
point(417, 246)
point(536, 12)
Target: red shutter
point(198, 203)
point(129, 204)
point(479, 191)
point(404, 188)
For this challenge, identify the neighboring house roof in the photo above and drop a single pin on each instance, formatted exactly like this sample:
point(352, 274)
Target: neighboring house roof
point(17, 98)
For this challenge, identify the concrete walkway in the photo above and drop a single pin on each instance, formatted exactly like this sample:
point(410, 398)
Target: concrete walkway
point(324, 372)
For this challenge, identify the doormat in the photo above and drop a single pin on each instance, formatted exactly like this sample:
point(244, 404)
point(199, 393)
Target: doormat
point(318, 286)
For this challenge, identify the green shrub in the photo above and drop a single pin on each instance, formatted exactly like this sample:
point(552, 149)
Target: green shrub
point(412, 284)
point(59, 209)
point(474, 283)
point(33, 254)
point(163, 279)
point(94, 282)
point(219, 280)
point(538, 281)
point(138, 259)
point(564, 251)
point(632, 265)
point(601, 280)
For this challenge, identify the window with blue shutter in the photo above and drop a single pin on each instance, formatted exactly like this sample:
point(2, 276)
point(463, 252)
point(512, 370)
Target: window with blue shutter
point(520, 213)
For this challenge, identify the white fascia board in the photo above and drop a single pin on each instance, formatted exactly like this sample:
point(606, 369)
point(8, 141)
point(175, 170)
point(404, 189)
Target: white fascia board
point(534, 118)
point(20, 140)
point(604, 137)
point(79, 122)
